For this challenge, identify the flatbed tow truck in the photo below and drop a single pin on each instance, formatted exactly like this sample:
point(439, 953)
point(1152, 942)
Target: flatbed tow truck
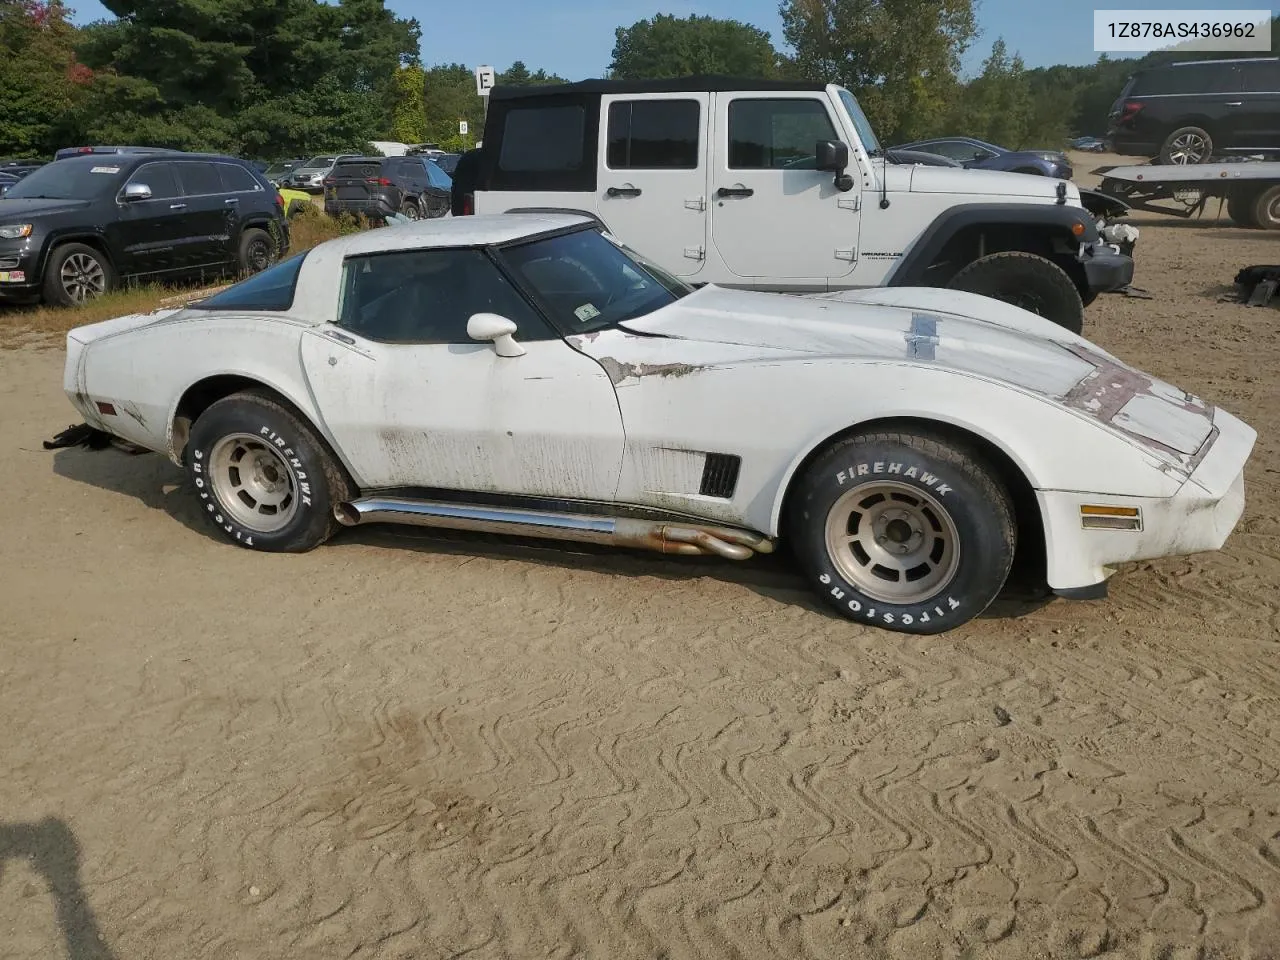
point(1250, 189)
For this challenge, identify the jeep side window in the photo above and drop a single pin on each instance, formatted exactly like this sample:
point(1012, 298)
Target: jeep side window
point(159, 177)
point(768, 134)
point(653, 135)
point(549, 138)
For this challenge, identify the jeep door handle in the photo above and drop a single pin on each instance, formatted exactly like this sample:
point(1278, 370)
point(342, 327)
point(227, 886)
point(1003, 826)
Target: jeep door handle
point(623, 192)
point(177, 206)
point(1234, 103)
point(232, 200)
point(734, 192)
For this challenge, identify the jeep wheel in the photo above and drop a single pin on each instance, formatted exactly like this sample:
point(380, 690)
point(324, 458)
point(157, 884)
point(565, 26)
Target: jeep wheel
point(264, 479)
point(904, 530)
point(257, 251)
point(1028, 281)
point(1187, 145)
point(1266, 209)
point(76, 273)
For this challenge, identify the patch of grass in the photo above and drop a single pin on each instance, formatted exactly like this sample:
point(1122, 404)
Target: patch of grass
point(46, 326)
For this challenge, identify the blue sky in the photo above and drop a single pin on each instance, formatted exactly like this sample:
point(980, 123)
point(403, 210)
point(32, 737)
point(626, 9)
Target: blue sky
point(574, 38)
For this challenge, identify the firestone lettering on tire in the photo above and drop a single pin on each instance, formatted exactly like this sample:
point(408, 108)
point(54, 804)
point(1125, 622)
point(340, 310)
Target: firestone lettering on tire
point(923, 615)
point(896, 469)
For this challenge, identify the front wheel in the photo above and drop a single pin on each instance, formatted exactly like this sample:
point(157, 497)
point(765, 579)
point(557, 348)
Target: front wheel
point(1025, 280)
point(76, 273)
point(906, 531)
point(264, 479)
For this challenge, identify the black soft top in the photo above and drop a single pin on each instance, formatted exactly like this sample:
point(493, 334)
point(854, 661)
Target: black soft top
point(708, 83)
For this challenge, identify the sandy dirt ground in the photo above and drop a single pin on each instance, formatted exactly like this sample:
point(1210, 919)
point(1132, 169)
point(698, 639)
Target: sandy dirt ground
point(407, 745)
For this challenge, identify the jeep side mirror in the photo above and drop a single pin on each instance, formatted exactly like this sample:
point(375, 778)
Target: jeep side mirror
point(833, 156)
point(136, 191)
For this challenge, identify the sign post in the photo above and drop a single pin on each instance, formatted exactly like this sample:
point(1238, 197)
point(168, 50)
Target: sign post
point(485, 79)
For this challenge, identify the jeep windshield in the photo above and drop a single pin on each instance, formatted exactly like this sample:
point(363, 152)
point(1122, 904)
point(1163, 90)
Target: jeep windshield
point(860, 122)
point(587, 281)
point(77, 179)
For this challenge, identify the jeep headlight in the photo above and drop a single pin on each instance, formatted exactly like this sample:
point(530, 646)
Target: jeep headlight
point(15, 231)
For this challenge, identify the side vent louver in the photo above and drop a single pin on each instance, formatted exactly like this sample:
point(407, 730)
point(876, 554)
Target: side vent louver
point(720, 475)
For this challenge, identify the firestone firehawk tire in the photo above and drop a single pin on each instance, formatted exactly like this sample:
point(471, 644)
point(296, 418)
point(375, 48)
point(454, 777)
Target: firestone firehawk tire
point(906, 531)
point(264, 479)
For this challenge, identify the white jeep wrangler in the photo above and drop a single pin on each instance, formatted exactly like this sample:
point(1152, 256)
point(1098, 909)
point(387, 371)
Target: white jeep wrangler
point(783, 186)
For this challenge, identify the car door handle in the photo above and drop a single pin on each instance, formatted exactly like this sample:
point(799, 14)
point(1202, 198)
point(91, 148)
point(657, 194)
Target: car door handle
point(1234, 103)
point(177, 206)
point(623, 192)
point(232, 200)
point(734, 192)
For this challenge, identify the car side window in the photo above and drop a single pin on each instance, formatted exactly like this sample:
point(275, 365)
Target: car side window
point(160, 178)
point(1261, 76)
point(653, 135)
point(549, 138)
point(236, 179)
point(427, 297)
point(768, 134)
point(199, 178)
point(437, 177)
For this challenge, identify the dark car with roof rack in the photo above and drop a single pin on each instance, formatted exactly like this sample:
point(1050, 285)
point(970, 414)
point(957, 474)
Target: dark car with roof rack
point(77, 228)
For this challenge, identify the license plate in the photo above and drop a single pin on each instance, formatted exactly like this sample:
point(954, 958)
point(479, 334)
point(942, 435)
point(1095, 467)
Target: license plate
point(13, 276)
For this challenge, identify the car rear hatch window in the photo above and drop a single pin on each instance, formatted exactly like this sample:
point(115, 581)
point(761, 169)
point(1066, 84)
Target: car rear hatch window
point(357, 181)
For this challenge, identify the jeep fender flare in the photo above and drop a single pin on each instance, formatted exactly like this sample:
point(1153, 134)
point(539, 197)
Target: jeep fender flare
point(1055, 219)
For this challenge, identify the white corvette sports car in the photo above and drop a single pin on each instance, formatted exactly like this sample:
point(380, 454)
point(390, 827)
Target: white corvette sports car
point(526, 373)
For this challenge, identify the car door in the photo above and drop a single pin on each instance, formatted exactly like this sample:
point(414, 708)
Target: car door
point(412, 401)
point(411, 177)
point(439, 193)
point(776, 222)
point(149, 232)
point(1257, 107)
point(652, 189)
point(208, 216)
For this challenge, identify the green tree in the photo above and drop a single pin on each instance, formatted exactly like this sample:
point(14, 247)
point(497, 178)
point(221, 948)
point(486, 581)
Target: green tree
point(901, 58)
point(410, 125)
point(40, 78)
point(665, 46)
point(289, 76)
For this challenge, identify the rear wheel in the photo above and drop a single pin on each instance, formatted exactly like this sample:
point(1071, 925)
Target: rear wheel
point(904, 530)
point(1187, 145)
point(410, 209)
point(1025, 280)
point(76, 273)
point(257, 251)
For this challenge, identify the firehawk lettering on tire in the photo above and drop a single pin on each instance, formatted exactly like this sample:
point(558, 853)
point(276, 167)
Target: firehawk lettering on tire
point(530, 374)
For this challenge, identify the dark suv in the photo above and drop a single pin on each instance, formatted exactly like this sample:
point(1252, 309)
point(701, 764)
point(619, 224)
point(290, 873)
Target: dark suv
point(1193, 111)
point(78, 227)
point(413, 187)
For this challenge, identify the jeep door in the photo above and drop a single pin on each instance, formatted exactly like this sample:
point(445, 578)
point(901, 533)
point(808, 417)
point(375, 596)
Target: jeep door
point(210, 216)
point(148, 232)
point(776, 221)
point(652, 191)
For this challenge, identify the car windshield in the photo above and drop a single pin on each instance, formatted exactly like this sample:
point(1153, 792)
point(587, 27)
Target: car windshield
point(317, 163)
point(78, 179)
point(278, 168)
point(860, 123)
point(588, 280)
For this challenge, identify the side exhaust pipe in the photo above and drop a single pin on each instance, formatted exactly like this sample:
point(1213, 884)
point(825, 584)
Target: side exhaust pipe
point(660, 536)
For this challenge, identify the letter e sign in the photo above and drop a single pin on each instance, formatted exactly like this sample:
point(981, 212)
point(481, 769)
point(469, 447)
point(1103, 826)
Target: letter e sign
point(484, 80)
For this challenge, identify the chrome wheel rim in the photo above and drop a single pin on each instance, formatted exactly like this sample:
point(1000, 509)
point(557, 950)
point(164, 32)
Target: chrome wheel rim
point(893, 542)
point(410, 211)
point(82, 277)
point(253, 483)
point(1188, 148)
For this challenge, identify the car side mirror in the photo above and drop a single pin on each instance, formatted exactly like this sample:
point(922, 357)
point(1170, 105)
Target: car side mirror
point(833, 157)
point(496, 329)
point(134, 192)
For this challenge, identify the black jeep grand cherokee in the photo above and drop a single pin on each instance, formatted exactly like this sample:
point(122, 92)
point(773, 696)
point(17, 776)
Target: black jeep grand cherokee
point(77, 227)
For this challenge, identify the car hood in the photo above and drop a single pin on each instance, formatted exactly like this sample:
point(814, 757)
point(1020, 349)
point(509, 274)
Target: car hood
point(996, 183)
point(16, 209)
point(947, 329)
